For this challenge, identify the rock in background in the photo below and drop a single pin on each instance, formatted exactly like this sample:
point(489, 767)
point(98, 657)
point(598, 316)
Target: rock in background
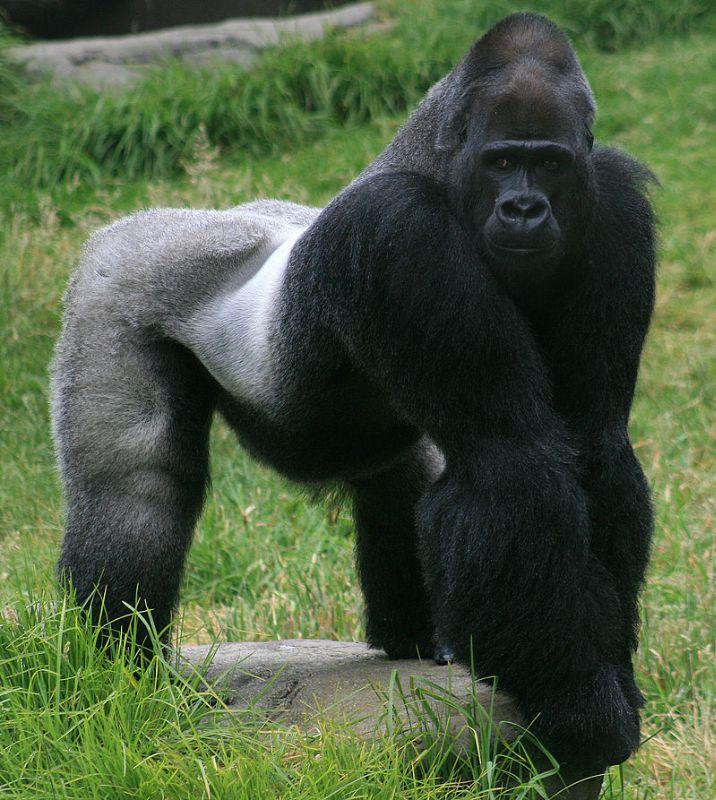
point(103, 62)
point(65, 19)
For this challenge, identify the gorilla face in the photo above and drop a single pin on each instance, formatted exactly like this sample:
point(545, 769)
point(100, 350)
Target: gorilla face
point(528, 180)
point(519, 164)
point(532, 190)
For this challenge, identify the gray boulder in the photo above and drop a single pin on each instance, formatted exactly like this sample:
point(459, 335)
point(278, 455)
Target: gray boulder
point(104, 62)
point(299, 681)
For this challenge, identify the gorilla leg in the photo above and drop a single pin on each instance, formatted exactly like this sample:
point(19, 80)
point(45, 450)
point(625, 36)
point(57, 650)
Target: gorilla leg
point(397, 608)
point(132, 402)
point(133, 446)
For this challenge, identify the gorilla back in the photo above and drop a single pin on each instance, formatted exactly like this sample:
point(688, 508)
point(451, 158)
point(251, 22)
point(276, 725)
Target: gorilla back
point(454, 340)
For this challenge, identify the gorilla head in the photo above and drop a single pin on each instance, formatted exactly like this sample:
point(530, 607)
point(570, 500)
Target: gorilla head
point(518, 146)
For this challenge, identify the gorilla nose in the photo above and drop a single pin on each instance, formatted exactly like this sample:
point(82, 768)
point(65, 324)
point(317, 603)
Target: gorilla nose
point(524, 212)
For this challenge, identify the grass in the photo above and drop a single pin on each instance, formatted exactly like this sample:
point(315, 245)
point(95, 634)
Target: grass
point(77, 724)
point(69, 139)
point(266, 563)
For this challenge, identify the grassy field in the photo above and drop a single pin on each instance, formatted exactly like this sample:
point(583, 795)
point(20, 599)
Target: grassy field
point(266, 563)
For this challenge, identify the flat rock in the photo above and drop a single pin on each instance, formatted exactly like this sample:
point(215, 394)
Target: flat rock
point(104, 62)
point(299, 681)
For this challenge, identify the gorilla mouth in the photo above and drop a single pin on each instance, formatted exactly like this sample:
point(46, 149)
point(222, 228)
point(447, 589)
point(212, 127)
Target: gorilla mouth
point(525, 252)
point(522, 250)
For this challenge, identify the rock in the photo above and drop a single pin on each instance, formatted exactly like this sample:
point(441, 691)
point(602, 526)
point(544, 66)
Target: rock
point(118, 60)
point(66, 19)
point(298, 681)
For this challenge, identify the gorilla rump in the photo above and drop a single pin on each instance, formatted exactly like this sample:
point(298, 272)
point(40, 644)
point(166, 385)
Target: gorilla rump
point(455, 340)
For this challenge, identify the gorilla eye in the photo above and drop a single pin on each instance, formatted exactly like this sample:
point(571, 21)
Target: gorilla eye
point(550, 165)
point(503, 163)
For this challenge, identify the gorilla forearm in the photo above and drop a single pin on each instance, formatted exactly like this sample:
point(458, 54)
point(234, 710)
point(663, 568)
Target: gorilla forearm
point(593, 346)
point(398, 617)
point(525, 558)
point(621, 520)
point(517, 594)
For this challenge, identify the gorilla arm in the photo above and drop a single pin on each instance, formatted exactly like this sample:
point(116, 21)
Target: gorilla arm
point(504, 533)
point(594, 345)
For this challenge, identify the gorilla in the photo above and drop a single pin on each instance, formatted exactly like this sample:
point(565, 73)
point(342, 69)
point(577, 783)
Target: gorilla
point(454, 340)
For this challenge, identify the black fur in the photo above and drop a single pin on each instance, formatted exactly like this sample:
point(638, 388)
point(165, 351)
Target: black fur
point(458, 346)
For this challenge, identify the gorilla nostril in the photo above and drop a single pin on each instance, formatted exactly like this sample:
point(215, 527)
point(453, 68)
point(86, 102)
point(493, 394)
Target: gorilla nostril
point(527, 212)
point(536, 210)
point(509, 212)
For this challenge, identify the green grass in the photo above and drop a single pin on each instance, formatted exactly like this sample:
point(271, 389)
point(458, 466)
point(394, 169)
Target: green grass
point(267, 563)
point(78, 724)
point(62, 140)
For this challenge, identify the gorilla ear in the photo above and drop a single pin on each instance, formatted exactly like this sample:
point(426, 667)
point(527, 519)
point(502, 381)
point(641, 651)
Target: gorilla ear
point(455, 106)
point(590, 138)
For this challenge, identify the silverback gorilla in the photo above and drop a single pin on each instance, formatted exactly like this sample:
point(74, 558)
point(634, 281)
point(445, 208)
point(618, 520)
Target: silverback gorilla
point(454, 339)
